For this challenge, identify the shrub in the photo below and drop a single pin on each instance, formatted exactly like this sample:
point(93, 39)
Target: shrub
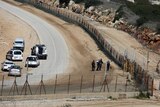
point(119, 13)
point(141, 21)
point(89, 3)
point(144, 9)
point(158, 28)
point(143, 95)
point(79, 1)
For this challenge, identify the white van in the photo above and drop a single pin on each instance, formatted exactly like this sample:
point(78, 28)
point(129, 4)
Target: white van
point(14, 55)
point(19, 44)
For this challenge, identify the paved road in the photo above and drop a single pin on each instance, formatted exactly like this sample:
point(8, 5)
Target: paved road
point(57, 49)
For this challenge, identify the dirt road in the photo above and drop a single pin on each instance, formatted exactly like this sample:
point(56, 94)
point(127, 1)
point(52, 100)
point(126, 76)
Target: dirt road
point(81, 102)
point(10, 28)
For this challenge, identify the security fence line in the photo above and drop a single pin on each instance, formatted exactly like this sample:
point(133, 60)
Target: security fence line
point(81, 84)
point(137, 71)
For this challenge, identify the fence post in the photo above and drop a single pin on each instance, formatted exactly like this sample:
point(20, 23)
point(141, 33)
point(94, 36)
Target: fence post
point(147, 83)
point(55, 85)
point(81, 84)
point(152, 88)
point(14, 86)
point(69, 83)
point(2, 85)
point(25, 86)
point(93, 83)
point(126, 85)
point(116, 83)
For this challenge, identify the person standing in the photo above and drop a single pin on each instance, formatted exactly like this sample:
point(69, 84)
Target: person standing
point(97, 62)
point(100, 64)
point(108, 65)
point(93, 65)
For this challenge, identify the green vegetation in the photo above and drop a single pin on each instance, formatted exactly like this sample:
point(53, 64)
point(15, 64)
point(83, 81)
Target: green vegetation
point(143, 95)
point(141, 21)
point(89, 3)
point(144, 9)
point(158, 28)
point(119, 13)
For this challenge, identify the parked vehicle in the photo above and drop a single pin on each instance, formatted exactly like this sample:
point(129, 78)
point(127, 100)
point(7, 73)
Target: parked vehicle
point(32, 61)
point(6, 65)
point(40, 51)
point(19, 44)
point(15, 71)
point(14, 55)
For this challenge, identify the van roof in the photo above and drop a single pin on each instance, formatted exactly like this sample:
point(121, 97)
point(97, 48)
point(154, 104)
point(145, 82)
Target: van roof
point(19, 39)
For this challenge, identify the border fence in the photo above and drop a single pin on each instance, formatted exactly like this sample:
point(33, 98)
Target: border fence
point(139, 74)
point(66, 84)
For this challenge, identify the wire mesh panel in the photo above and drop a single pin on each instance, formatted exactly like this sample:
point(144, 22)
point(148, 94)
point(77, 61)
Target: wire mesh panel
point(65, 83)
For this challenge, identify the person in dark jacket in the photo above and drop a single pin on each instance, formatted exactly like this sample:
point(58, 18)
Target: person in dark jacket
point(100, 64)
point(93, 65)
point(108, 65)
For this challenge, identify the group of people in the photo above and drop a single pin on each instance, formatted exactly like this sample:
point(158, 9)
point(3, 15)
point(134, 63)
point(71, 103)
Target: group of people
point(98, 65)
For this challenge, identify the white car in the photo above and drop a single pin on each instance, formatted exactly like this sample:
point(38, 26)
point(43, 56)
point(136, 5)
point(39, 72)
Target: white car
point(32, 61)
point(14, 55)
point(15, 71)
point(6, 65)
point(19, 44)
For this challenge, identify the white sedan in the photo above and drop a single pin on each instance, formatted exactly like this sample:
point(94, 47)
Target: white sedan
point(32, 61)
point(15, 71)
point(6, 65)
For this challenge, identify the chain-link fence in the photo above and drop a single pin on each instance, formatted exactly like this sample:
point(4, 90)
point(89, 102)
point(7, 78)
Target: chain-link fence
point(66, 84)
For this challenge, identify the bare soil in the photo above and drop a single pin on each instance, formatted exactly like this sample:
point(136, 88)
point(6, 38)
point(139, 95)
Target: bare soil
point(82, 102)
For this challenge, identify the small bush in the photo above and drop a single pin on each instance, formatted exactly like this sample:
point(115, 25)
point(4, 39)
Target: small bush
point(79, 1)
point(141, 21)
point(119, 13)
point(158, 28)
point(144, 9)
point(143, 95)
point(89, 3)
